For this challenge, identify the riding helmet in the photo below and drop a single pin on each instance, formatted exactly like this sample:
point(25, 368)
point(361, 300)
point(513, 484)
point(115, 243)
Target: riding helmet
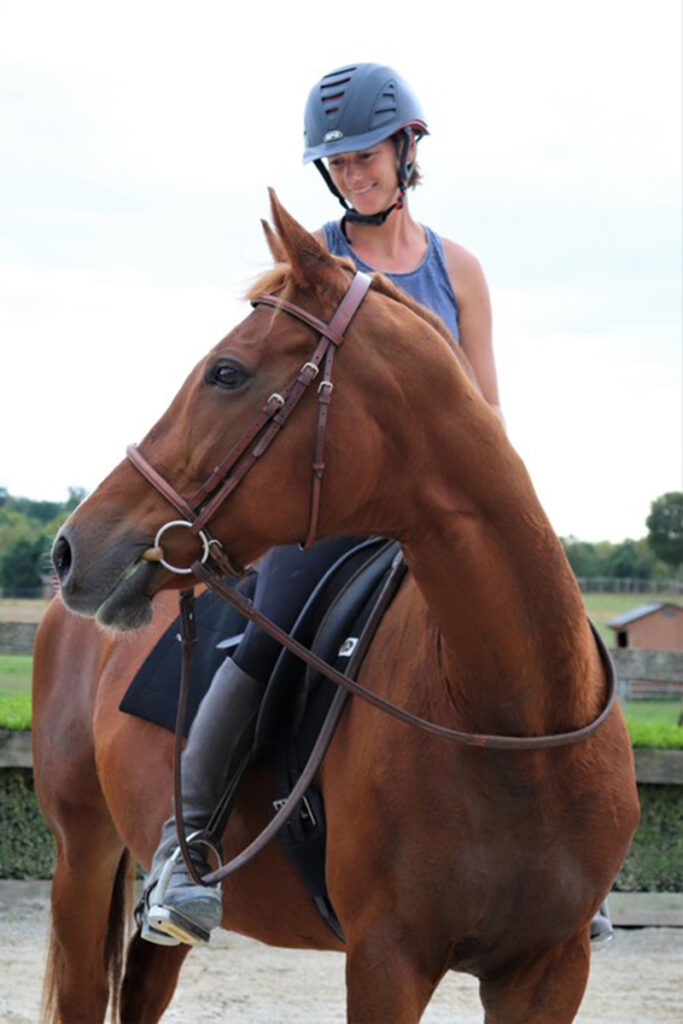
point(354, 108)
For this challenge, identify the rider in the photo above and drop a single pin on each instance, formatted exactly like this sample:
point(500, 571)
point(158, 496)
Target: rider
point(362, 125)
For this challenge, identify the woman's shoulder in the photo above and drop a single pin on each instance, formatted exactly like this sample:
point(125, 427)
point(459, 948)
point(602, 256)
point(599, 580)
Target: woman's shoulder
point(459, 259)
point(463, 266)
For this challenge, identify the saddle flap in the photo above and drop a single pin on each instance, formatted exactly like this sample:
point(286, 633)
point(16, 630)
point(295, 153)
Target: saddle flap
point(323, 625)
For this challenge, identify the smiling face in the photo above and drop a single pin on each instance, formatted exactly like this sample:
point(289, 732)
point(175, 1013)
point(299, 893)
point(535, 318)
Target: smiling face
point(368, 179)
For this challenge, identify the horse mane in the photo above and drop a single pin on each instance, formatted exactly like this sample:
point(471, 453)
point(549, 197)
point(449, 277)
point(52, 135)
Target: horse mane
point(386, 287)
point(280, 277)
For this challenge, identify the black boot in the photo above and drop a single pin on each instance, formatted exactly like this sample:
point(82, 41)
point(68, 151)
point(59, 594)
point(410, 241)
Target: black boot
point(174, 907)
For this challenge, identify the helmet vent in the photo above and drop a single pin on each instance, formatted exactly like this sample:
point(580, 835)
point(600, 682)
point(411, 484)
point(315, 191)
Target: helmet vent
point(332, 89)
point(386, 105)
point(332, 99)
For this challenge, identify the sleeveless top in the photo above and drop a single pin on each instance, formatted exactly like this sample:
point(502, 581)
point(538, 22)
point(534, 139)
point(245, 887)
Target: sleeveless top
point(429, 283)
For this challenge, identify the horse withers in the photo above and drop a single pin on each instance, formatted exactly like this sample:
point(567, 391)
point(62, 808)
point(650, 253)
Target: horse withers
point(439, 856)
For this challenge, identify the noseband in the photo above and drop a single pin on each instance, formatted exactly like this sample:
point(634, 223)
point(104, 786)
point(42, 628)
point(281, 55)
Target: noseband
point(229, 473)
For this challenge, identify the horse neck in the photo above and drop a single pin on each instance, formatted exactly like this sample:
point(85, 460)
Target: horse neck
point(516, 650)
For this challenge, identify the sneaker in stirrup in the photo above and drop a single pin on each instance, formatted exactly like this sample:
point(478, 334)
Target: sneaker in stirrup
point(176, 907)
point(601, 930)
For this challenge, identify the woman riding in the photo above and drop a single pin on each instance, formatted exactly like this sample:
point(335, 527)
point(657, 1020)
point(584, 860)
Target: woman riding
point(362, 127)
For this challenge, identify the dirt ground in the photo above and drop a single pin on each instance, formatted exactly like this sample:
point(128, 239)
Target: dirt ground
point(638, 979)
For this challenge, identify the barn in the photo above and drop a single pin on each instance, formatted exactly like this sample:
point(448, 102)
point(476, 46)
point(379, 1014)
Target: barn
point(650, 627)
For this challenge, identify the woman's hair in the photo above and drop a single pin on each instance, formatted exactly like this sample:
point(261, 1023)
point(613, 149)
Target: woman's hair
point(415, 176)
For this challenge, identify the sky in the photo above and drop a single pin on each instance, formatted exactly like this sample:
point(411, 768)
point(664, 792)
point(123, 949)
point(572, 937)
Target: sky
point(137, 141)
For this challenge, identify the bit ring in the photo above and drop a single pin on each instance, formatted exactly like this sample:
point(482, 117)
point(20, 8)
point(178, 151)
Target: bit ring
point(201, 536)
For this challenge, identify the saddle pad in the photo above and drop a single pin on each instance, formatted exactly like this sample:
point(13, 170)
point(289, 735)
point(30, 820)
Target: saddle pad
point(153, 693)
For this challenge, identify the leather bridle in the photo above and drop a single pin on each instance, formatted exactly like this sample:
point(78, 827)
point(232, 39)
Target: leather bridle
point(254, 442)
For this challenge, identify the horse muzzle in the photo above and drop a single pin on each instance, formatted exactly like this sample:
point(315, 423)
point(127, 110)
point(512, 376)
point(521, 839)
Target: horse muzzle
point(113, 582)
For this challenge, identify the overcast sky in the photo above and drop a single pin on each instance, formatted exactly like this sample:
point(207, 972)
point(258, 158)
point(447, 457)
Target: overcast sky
point(136, 144)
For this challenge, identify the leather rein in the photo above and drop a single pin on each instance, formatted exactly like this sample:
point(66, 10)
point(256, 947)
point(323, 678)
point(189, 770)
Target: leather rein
point(229, 473)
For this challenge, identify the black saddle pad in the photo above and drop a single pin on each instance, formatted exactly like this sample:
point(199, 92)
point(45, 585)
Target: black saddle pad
point(153, 694)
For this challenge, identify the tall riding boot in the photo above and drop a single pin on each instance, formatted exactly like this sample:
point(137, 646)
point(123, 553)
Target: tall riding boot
point(175, 908)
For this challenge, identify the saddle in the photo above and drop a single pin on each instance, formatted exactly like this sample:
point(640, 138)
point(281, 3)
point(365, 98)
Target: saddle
point(297, 698)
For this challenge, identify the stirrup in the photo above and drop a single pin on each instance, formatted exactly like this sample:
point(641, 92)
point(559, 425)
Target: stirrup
point(168, 921)
point(175, 926)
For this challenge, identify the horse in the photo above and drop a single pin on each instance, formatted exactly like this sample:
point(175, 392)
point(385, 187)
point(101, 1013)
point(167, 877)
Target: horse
point(439, 856)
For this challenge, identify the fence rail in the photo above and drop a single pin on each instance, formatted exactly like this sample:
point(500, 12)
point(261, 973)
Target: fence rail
point(629, 585)
point(648, 673)
point(17, 637)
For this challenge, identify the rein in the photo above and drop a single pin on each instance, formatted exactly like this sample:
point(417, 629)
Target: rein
point(471, 739)
point(223, 480)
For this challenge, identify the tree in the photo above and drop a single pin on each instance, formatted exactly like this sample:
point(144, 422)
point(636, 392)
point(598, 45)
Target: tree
point(665, 528)
point(22, 563)
point(632, 558)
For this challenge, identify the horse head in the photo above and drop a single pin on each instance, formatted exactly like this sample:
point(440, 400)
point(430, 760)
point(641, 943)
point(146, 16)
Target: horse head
point(394, 364)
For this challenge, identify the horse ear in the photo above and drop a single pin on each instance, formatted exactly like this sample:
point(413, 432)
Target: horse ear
point(274, 244)
point(307, 257)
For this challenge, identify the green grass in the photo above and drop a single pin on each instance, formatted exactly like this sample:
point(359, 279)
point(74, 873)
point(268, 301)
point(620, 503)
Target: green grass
point(15, 671)
point(654, 723)
point(665, 711)
point(657, 735)
point(15, 691)
point(15, 709)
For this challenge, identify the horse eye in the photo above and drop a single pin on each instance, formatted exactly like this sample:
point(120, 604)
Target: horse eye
point(228, 376)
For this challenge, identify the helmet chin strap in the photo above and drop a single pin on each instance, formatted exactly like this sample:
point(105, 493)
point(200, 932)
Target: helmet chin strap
point(374, 219)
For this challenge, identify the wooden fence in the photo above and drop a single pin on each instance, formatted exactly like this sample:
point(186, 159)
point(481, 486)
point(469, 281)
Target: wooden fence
point(648, 673)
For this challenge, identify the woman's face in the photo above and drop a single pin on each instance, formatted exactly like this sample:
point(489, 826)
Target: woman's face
point(368, 180)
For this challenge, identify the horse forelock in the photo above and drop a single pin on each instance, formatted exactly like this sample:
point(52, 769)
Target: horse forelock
point(281, 280)
point(271, 281)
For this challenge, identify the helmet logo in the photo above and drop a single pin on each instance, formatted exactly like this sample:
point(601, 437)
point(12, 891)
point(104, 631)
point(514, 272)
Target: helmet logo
point(333, 135)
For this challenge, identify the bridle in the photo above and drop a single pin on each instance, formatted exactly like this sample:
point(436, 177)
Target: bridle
point(254, 442)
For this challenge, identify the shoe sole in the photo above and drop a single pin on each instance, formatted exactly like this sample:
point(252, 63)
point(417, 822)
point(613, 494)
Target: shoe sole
point(598, 942)
point(159, 938)
point(176, 925)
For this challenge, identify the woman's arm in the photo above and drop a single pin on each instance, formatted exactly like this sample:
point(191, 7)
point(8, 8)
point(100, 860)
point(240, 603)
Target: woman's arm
point(474, 319)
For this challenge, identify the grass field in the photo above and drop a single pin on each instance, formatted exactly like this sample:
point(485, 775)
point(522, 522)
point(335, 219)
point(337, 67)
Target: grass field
point(15, 691)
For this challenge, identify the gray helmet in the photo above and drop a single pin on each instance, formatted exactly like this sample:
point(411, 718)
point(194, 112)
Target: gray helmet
point(357, 106)
point(354, 108)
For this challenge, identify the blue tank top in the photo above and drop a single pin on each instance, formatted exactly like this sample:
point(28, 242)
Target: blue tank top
point(429, 283)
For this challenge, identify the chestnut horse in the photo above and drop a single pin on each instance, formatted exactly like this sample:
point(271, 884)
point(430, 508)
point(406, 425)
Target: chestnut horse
point(439, 856)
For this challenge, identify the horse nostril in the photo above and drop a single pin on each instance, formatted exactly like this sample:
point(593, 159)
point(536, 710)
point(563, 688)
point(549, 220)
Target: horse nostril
point(61, 557)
